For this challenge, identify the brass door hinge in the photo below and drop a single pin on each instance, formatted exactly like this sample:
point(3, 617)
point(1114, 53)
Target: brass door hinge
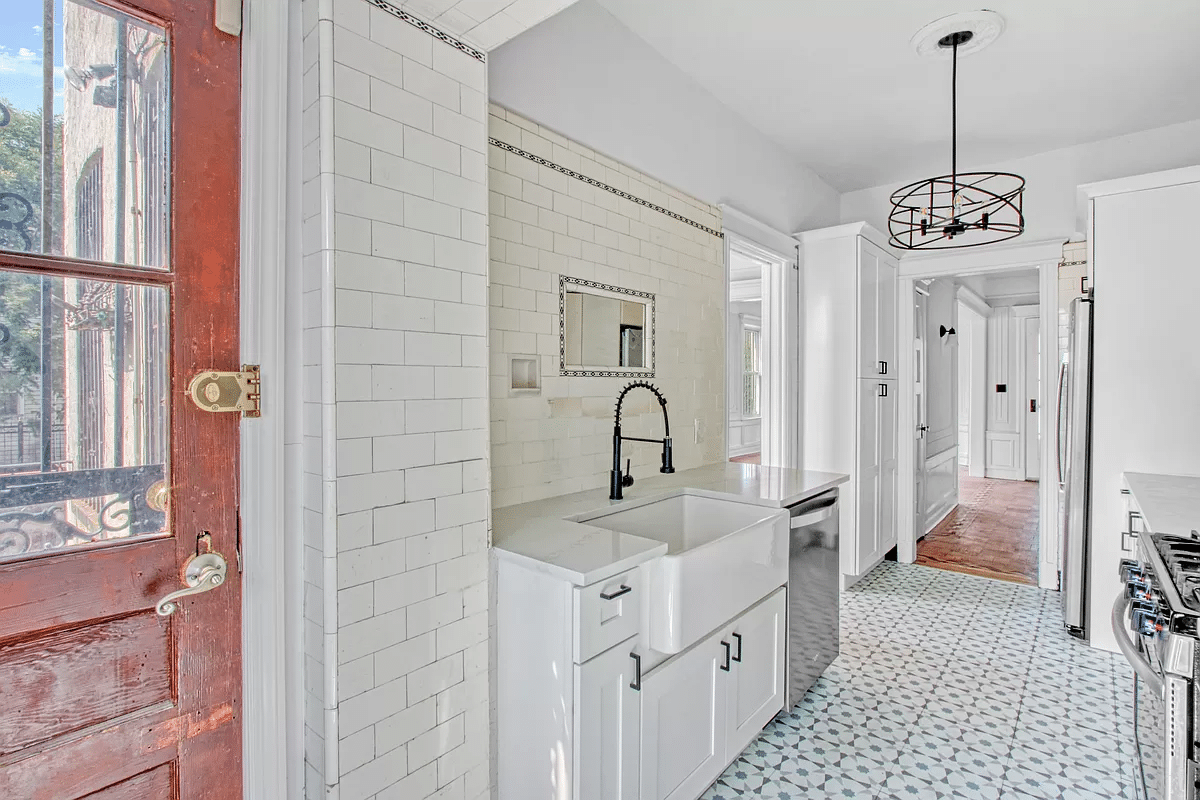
point(227, 391)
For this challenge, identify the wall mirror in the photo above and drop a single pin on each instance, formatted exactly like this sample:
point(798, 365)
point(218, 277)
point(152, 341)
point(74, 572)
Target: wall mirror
point(604, 331)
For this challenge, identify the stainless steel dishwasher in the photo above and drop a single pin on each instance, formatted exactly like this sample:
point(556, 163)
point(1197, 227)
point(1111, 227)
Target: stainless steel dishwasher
point(813, 592)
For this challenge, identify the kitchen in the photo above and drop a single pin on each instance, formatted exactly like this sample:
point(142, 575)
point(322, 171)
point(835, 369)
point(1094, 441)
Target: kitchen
point(420, 486)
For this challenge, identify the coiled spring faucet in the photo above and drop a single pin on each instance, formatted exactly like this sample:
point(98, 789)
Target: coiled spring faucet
point(618, 481)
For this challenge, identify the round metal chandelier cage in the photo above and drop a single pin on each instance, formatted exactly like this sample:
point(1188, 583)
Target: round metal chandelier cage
point(962, 209)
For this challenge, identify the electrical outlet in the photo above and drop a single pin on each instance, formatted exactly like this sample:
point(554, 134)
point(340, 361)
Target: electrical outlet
point(698, 427)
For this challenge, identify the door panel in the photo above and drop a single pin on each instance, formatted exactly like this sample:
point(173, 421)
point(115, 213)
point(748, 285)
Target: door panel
point(607, 725)
point(1033, 416)
point(118, 282)
point(887, 311)
point(756, 684)
point(683, 724)
point(868, 312)
point(887, 469)
point(153, 783)
point(866, 544)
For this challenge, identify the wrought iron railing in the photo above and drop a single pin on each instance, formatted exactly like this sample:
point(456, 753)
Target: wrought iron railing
point(34, 507)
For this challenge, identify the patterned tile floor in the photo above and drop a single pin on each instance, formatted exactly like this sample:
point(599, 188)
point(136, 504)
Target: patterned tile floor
point(949, 686)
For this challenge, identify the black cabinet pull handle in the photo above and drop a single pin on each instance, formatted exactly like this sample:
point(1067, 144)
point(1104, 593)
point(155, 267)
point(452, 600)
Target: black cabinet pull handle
point(883, 390)
point(725, 666)
point(885, 368)
point(636, 683)
point(738, 657)
point(614, 595)
point(1083, 285)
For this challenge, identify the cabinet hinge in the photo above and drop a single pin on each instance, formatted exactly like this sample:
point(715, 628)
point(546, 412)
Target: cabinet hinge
point(228, 391)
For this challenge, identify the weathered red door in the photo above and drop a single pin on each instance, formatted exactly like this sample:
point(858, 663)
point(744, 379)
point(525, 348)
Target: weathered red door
point(118, 283)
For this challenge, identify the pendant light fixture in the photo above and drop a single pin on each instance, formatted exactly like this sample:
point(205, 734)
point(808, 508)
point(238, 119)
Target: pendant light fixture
point(961, 209)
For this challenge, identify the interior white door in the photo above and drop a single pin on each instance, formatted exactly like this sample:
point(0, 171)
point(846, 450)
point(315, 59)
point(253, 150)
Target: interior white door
point(606, 725)
point(756, 683)
point(869, 363)
point(1033, 412)
point(683, 723)
point(867, 525)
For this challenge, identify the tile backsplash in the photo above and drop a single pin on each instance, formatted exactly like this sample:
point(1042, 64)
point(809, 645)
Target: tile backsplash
point(559, 208)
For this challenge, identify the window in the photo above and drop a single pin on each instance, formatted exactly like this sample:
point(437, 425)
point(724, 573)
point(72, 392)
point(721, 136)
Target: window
point(751, 370)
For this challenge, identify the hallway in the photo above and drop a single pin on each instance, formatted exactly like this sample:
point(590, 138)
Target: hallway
point(992, 533)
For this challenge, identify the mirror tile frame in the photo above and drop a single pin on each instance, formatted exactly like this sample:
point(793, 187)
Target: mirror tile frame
point(563, 369)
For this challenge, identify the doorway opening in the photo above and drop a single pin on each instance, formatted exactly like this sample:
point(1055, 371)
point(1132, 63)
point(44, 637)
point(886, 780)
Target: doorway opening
point(977, 359)
point(746, 347)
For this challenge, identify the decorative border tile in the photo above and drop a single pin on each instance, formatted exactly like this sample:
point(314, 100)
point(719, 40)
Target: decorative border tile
point(442, 36)
point(563, 280)
point(570, 173)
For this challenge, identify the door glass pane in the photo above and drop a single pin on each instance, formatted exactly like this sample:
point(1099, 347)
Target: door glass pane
point(83, 412)
point(89, 178)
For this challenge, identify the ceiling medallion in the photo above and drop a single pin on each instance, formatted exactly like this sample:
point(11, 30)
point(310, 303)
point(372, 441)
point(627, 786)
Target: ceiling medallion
point(962, 209)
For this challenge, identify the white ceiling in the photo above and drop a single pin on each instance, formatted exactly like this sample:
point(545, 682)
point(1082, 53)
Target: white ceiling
point(837, 83)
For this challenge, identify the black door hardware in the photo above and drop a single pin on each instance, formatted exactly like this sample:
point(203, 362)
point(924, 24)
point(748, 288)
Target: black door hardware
point(636, 683)
point(725, 666)
point(738, 657)
point(623, 590)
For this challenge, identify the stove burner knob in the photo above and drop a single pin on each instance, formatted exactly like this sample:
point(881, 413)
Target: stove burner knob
point(1138, 588)
point(1150, 623)
point(1130, 569)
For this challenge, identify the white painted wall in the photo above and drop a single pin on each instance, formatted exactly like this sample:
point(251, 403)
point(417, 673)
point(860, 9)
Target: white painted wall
point(1051, 210)
point(588, 77)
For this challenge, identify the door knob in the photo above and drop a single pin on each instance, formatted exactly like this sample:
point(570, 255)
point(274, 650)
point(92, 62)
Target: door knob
point(203, 572)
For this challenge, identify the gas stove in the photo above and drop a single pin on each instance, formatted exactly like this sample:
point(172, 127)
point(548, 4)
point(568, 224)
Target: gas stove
point(1155, 623)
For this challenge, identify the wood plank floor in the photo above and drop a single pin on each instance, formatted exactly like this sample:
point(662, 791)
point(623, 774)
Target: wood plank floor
point(993, 532)
point(750, 458)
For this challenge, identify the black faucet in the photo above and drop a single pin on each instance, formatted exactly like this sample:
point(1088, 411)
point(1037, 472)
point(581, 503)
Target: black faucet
point(617, 480)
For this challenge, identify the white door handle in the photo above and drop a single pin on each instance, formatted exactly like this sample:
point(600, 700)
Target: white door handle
point(203, 573)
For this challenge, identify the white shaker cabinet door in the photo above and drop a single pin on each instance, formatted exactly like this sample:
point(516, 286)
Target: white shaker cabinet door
point(683, 723)
point(870, 364)
point(886, 333)
point(887, 512)
point(866, 533)
point(607, 726)
point(756, 683)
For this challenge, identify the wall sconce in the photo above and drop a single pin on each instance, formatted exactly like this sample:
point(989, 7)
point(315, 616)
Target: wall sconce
point(947, 333)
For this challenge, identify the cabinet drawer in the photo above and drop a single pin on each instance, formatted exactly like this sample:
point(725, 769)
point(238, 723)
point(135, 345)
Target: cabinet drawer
point(607, 613)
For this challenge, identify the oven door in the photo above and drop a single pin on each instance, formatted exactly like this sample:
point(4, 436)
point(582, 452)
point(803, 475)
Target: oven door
point(1161, 716)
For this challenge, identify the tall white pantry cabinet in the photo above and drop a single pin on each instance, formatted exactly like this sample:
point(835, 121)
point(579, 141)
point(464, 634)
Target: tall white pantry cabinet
point(848, 323)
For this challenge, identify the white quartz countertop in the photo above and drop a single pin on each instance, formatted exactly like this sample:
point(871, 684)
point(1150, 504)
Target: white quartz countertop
point(538, 536)
point(1169, 503)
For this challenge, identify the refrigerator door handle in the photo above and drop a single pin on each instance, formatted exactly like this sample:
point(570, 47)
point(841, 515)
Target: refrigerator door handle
point(1062, 379)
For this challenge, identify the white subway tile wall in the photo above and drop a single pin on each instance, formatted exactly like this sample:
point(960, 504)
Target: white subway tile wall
point(545, 224)
point(396, 496)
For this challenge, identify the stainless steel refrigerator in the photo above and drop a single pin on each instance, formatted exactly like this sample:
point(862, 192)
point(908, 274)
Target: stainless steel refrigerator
point(1074, 466)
